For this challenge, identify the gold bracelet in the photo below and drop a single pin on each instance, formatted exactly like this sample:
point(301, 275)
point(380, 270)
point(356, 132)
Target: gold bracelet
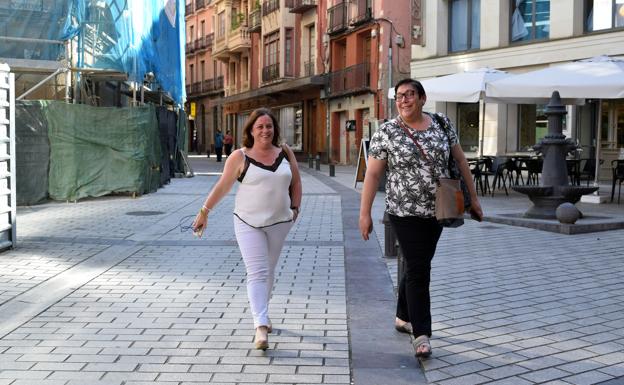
point(204, 210)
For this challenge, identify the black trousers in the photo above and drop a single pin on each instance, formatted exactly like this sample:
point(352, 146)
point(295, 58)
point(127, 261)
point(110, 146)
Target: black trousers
point(228, 149)
point(219, 152)
point(418, 238)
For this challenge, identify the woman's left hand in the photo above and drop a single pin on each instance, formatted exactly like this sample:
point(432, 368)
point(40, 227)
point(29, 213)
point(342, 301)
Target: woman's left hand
point(295, 214)
point(476, 212)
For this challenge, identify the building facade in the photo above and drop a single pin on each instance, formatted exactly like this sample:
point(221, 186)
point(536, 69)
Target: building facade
point(520, 36)
point(323, 67)
point(204, 76)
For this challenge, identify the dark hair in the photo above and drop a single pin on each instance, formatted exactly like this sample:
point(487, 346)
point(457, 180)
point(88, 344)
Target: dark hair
point(414, 83)
point(248, 140)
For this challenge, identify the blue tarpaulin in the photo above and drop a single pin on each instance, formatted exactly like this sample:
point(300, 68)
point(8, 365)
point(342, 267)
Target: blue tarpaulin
point(129, 36)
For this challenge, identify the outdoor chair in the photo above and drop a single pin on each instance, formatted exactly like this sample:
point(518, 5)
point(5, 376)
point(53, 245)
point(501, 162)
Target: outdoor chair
point(534, 169)
point(478, 167)
point(617, 168)
point(588, 171)
point(497, 167)
point(574, 171)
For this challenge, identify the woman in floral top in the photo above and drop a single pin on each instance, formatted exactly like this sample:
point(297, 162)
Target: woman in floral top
point(410, 198)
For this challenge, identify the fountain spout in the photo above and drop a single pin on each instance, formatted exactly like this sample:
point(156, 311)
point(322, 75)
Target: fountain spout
point(555, 187)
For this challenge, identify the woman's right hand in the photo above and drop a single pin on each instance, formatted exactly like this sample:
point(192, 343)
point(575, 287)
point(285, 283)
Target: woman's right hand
point(200, 222)
point(366, 226)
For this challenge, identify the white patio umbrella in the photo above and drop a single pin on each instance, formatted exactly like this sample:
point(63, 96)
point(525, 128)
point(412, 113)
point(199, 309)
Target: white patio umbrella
point(600, 77)
point(464, 87)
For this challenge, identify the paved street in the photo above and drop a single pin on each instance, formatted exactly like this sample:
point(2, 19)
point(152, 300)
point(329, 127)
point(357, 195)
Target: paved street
point(111, 291)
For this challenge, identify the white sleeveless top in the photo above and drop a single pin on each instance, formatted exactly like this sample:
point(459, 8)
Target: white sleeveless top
point(263, 197)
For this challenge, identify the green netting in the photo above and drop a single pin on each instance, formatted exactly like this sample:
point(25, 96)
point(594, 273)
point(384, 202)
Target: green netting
point(32, 151)
point(96, 151)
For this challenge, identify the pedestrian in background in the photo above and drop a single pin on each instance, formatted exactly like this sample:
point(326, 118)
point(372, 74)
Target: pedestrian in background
point(266, 206)
point(219, 145)
point(413, 147)
point(228, 141)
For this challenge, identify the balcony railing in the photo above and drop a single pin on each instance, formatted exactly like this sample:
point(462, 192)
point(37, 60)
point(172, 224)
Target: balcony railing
point(255, 18)
point(270, 72)
point(337, 18)
point(196, 88)
point(188, 9)
point(190, 47)
point(212, 85)
point(349, 80)
point(200, 43)
point(308, 68)
point(269, 6)
point(205, 86)
point(209, 40)
point(199, 4)
point(363, 15)
point(301, 6)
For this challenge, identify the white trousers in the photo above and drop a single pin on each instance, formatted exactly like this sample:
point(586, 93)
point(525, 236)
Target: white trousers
point(260, 249)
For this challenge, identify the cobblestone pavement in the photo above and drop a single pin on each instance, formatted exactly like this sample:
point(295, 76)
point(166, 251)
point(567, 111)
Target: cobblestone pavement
point(110, 291)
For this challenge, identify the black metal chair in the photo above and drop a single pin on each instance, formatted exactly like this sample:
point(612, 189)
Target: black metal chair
point(617, 168)
point(497, 167)
point(588, 171)
point(534, 169)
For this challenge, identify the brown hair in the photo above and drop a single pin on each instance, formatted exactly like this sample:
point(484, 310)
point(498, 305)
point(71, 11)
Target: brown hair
point(248, 140)
point(416, 85)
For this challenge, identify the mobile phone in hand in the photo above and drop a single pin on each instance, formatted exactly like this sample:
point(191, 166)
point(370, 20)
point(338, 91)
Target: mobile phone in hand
point(198, 231)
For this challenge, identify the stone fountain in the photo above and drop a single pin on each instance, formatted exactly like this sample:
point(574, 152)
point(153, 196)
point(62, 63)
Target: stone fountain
point(555, 188)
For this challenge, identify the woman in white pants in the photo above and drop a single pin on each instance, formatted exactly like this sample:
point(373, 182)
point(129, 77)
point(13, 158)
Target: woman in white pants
point(266, 206)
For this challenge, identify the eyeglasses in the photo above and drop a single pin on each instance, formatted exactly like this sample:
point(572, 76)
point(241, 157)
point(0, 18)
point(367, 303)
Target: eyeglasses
point(408, 95)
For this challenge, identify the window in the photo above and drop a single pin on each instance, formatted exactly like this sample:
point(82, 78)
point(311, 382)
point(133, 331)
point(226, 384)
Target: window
point(288, 54)
point(530, 20)
point(468, 126)
point(604, 14)
point(309, 64)
point(202, 65)
point(202, 31)
point(291, 125)
point(270, 70)
point(465, 24)
point(192, 73)
point(191, 33)
point(221, 25)
point(532, 125)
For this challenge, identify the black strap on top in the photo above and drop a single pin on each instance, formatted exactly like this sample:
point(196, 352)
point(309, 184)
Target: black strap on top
point(249, 160)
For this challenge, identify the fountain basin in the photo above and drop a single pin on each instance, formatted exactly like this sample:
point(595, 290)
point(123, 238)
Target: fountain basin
point(546, 199)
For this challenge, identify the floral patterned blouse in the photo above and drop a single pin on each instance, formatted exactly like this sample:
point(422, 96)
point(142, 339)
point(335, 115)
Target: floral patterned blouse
point(410, 188)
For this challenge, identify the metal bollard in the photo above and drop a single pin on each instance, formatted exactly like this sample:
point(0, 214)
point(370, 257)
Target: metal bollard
point(390, 241)
point(332, 169)
point(318, 163)
point(310, 161)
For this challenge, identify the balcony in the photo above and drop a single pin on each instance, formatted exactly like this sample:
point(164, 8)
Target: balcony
point(337, 19)
point(363, 15)
point(188, 9)
point(190, 47)
point(204, 87)
point(212, 85)
point(302, 6)
point(308, 68)
point(349, 80)
point(270, 6)
point(236, 41)
point(195, 88)
point(209, 40)
point(270, 72)
point(199, 4)
point(255, 24)
point(200, 44)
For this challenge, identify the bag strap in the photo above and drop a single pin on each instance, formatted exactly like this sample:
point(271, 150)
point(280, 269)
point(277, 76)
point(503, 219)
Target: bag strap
point(426, 156)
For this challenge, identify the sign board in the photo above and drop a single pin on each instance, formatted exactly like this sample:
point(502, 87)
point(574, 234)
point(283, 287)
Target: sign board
point(193, 110)
point(362, 162)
